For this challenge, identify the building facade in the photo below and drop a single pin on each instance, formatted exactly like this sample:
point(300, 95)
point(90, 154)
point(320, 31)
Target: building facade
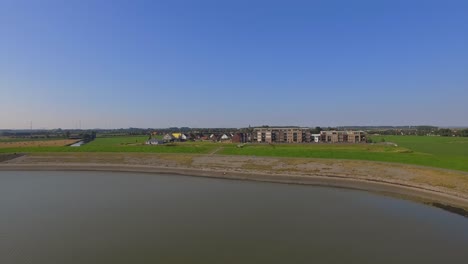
point(282, 135)
point(304, 135)
point(343, 136)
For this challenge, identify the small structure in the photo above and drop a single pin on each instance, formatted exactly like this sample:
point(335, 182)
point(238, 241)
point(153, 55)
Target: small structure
point(315, 138)
point(154, 141)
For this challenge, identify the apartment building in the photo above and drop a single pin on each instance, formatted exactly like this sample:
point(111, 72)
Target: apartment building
point(304, 135)
point(342, 136)
point(281, 135)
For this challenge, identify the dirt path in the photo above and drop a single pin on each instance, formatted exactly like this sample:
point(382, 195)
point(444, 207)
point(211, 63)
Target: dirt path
point(216, 151)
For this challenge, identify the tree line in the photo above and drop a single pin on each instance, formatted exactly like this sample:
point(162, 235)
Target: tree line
point(424, 131)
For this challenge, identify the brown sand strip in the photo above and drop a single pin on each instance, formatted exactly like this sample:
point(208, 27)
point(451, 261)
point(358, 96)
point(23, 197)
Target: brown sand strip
point(7, 157)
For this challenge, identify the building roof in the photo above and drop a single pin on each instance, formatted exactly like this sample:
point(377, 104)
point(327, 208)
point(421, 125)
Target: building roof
point(279, 128)
point(168, 137)
point(224, 136)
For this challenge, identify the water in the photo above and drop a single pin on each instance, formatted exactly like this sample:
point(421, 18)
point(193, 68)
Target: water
point(91, 217)
point(77, 144)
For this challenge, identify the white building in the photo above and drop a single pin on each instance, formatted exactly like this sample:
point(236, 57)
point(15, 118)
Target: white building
point(315, 138)
point(154, 141)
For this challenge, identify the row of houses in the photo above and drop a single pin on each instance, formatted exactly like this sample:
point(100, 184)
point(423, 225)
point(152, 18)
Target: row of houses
point(269, 135)
point(181, 137)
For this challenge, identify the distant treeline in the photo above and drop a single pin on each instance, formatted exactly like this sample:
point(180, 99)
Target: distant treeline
point(91, 134)
point(423, 131)
point(86, 135)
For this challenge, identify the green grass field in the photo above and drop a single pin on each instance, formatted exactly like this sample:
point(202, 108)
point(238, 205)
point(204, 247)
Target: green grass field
point(449, 153)
point(121, 144)
point(441, 152)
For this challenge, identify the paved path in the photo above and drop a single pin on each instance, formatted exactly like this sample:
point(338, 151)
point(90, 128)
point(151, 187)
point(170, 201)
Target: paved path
point(216, 150)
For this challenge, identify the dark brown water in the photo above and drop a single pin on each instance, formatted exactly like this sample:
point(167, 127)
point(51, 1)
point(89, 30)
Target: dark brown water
point(90, 217)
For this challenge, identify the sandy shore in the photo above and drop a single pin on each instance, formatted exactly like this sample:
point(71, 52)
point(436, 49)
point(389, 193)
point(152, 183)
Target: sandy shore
point(443, 188)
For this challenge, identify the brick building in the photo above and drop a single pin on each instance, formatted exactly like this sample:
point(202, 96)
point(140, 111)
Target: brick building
point(281, 135)
point(304, 135)
point(342, 136)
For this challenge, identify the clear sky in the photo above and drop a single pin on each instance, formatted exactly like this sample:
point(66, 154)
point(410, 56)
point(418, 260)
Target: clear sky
point(233, 63)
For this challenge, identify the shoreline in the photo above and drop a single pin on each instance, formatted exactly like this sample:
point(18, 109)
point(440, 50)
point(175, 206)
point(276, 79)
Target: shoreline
point(439, 199)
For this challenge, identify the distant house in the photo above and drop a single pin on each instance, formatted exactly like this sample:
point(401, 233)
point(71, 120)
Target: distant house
point(191, 136)
point(179, 136)
point(168, 138)
point(154, 141)
point(224, 137)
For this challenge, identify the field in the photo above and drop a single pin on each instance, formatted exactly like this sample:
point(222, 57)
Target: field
point(119, 144)
point(15, 143)
point(441, 152)
point(14, 139)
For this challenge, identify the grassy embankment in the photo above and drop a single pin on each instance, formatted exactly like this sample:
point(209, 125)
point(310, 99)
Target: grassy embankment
point(441, 152)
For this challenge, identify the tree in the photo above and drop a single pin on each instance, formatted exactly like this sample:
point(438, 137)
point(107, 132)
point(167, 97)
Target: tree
point(445, 132)
point(317, 130)
point(464, 133)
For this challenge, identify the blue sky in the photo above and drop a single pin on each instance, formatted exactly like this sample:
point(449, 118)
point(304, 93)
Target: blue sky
point(232, 63)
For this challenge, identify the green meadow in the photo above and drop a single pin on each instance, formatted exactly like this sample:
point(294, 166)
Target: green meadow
point(441, 152)
point(121, 144)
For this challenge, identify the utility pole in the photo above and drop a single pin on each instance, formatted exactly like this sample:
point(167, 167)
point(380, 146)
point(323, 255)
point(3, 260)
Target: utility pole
point(30, 129)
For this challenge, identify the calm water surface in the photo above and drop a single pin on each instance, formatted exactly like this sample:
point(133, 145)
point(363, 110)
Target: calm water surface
point(77, 144)
point(91, 217)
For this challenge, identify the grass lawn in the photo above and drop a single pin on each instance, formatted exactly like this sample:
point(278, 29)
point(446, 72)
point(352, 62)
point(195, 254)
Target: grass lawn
point(122, 144)
point(439, 146)
point(442, 152)
point(449, 153)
